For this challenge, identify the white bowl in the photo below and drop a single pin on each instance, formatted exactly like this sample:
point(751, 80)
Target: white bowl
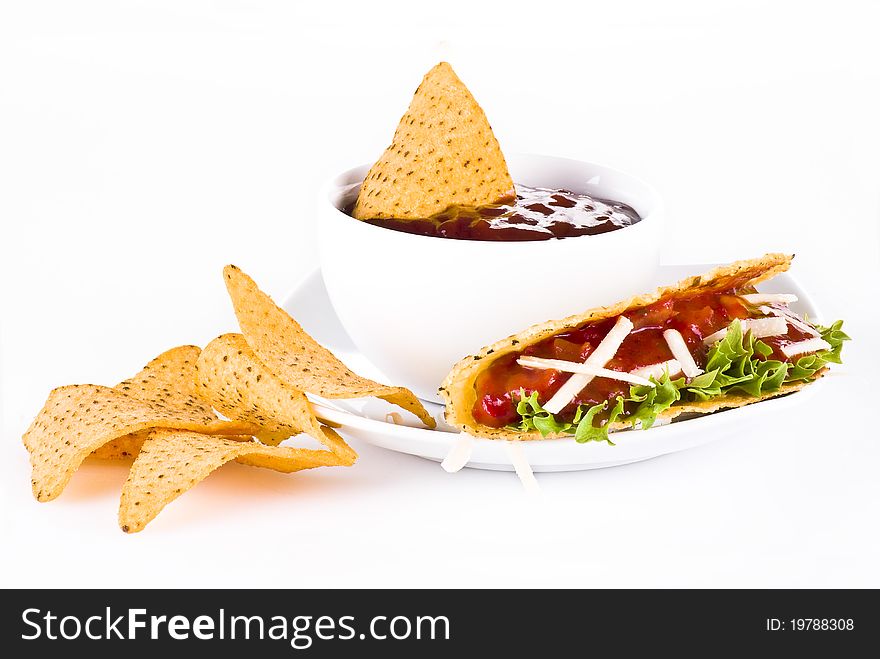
point(414, 305)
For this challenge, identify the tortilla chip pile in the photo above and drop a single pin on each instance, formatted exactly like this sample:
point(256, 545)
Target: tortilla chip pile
point(164, 417)
point(443, 153)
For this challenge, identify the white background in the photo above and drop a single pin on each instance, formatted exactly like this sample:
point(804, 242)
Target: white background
point(145, 145)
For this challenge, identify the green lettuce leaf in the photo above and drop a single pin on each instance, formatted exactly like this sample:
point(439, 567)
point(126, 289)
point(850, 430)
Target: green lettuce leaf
point(653, 400)
point(586, 431)
point(806, 366)
point(535, 417)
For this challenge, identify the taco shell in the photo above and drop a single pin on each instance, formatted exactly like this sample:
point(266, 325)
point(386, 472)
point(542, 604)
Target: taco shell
point(458, 388)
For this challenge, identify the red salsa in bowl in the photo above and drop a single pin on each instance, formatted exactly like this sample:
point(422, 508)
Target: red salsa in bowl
point(535, 214)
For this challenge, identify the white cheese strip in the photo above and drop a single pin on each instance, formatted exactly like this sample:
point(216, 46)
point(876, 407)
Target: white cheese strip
point(680, 351)
point(459, 455)
point(801, 325)
point(717, 336)
point(603, 354)
point(759, 327)
point(802, 347)
point(578, 367)
point(656, 371)
point(792, 318)
point(769, 298)
point(522, 467)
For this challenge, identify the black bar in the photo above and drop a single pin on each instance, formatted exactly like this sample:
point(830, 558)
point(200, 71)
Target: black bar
point(686, 622)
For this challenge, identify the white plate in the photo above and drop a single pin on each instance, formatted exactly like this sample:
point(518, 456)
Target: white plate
point(381, 424)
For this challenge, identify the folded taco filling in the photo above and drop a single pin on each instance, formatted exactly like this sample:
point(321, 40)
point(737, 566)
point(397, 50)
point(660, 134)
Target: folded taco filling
point(624, 370)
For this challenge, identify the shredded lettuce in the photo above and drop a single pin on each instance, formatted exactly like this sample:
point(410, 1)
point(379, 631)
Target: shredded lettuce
point(650, 401)
point(738, 362)
point(806, 366)
point(653, 400)
point(732, 365)
point(535, 417)
point(588, 432)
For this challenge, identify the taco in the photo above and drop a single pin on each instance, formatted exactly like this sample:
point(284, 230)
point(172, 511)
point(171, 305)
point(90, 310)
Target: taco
point(707, 343)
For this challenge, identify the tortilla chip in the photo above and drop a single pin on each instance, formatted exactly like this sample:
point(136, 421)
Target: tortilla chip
point(121, 448)
point(241, 388)
point(173, 461)
point(296, 358)
point(168, 381)
point(458, 387)
point(443, 153)
point(77, 419)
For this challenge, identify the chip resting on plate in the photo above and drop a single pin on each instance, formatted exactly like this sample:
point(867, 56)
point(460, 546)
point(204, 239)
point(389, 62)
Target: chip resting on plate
point(443, 153)
point(296, 358)
point(173, 461)
point(241, 388)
